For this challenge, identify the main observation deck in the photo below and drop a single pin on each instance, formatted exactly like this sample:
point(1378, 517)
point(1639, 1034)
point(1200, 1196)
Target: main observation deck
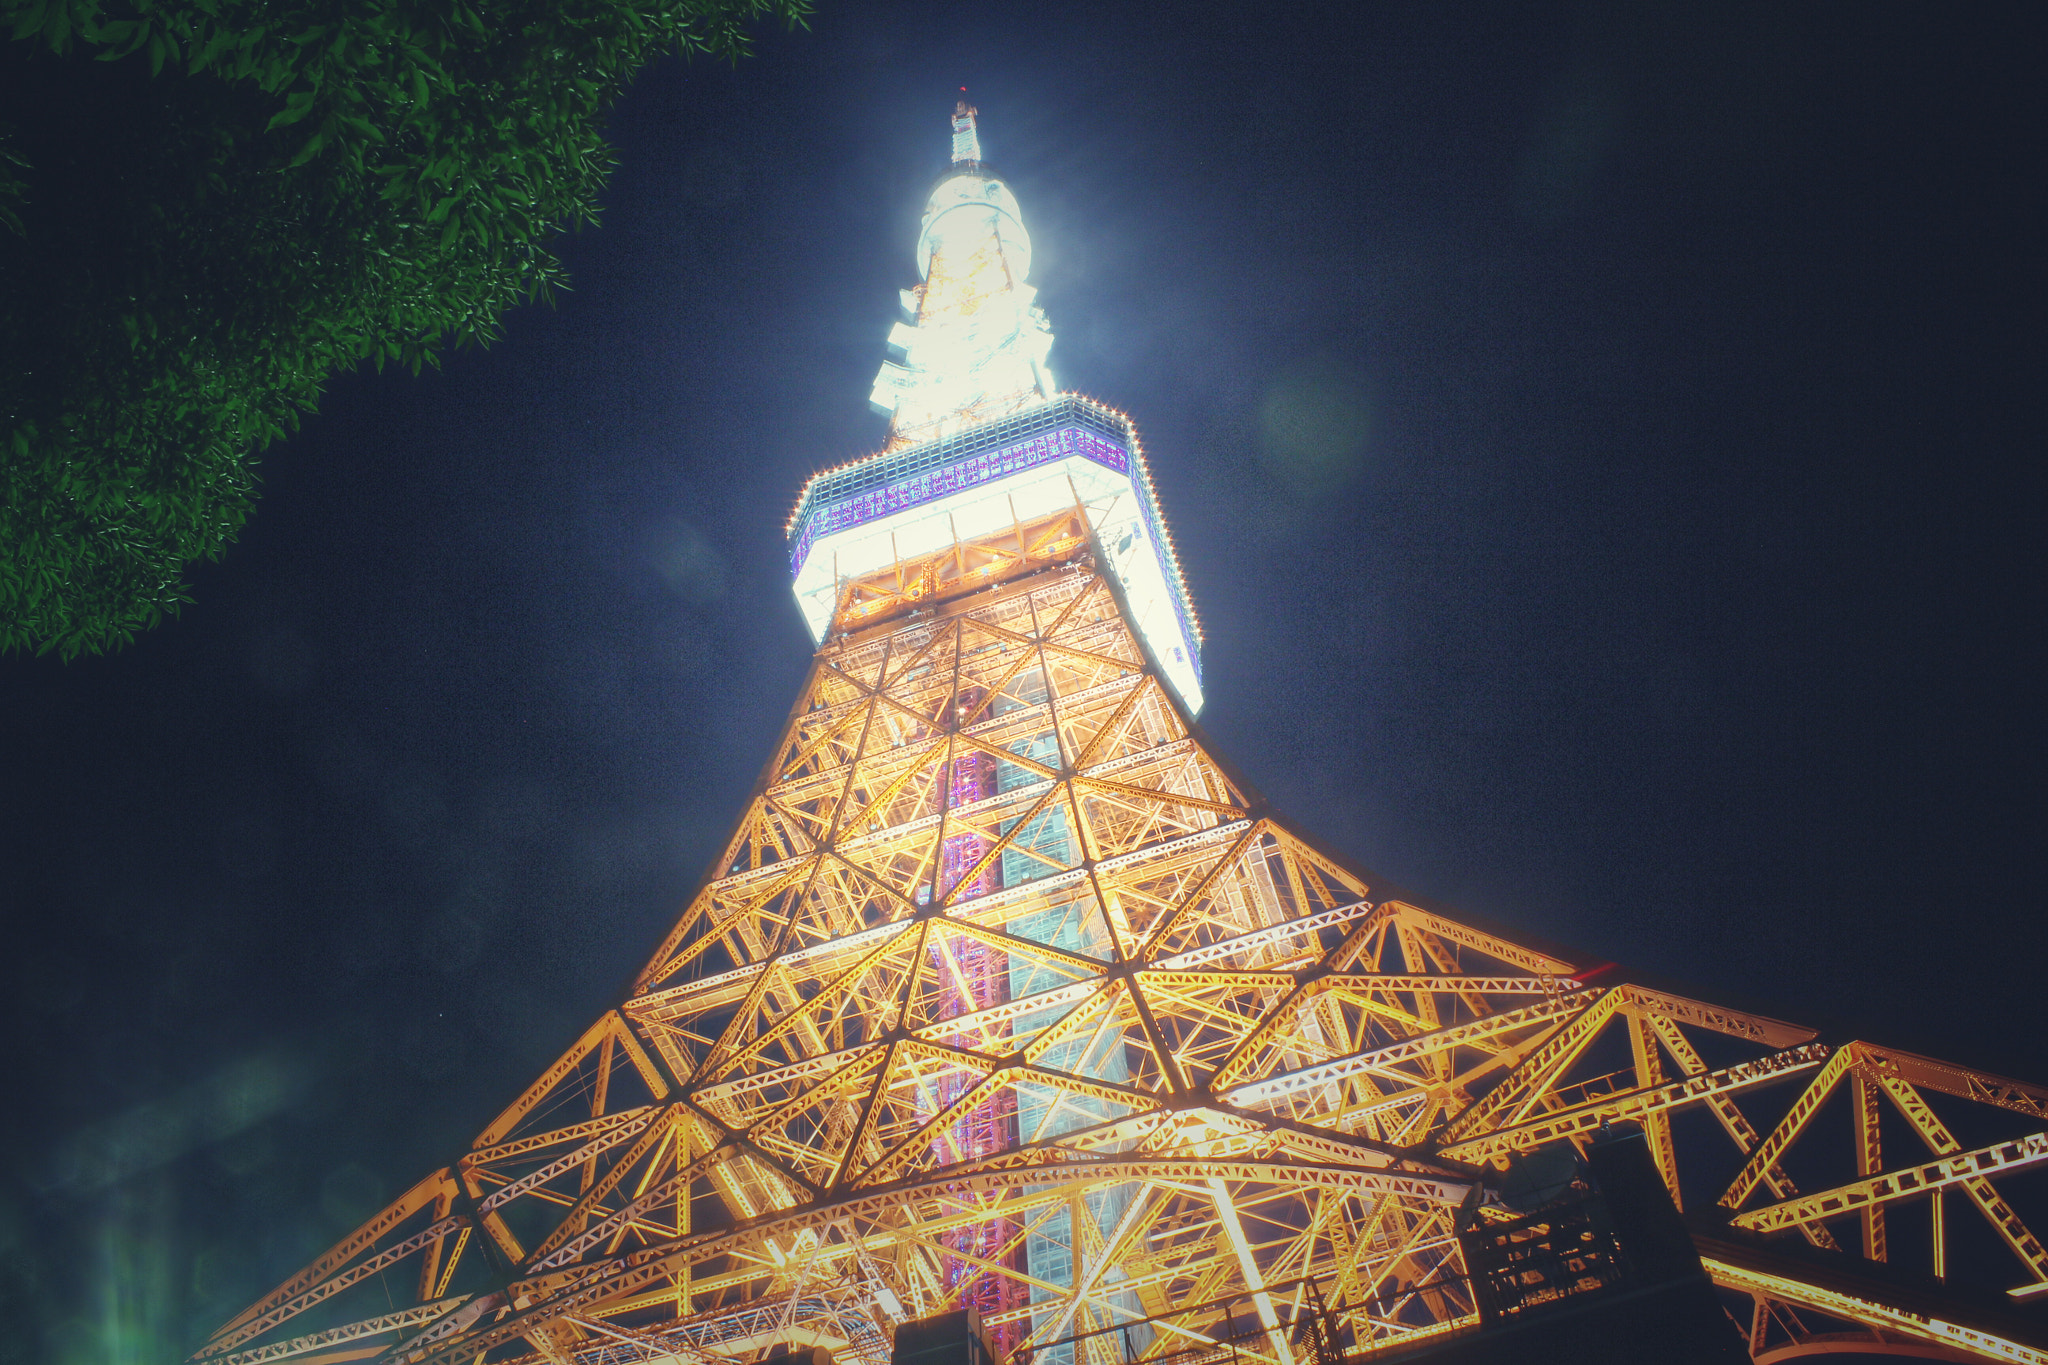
point(1068, 453)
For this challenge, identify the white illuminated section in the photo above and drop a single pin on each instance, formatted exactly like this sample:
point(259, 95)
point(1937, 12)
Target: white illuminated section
point(1035, 463)
point(978, 346)
point(980, 440)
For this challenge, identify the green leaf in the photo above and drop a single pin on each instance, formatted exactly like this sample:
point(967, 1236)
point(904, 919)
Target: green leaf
point(295, 108)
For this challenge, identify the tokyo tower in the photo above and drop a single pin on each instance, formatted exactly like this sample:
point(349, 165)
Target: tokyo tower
point(1009, 994)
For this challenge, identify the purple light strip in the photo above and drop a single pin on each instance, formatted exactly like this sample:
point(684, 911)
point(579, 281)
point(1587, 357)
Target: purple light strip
point(928, 485)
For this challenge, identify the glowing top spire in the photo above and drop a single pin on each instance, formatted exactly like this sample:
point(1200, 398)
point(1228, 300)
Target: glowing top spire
point(978, 345)
point(966, 143)
point(989, 471)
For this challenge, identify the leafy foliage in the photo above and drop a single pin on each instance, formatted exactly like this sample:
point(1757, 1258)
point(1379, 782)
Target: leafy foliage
point(275, 189)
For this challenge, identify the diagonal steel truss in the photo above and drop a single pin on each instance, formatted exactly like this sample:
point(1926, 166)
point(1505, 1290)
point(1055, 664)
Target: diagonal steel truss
point(1006, 991)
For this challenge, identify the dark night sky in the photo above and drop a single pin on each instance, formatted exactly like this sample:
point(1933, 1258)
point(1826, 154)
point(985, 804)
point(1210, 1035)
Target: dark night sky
point(1604, 443)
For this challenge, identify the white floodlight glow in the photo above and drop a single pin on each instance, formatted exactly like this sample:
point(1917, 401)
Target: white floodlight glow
point(981, 440)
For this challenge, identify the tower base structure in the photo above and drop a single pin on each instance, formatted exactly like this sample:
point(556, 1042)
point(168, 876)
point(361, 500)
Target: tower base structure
point(1009, 999)
point(1008, 994)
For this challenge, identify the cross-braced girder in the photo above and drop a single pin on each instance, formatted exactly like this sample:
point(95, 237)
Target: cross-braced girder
point(1007, 991)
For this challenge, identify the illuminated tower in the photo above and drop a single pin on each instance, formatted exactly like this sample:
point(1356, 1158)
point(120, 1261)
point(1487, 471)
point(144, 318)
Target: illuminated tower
point(1008, 993)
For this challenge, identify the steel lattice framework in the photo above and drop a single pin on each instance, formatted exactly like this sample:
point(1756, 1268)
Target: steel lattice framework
point(1215, 1058)
point(1007, 992)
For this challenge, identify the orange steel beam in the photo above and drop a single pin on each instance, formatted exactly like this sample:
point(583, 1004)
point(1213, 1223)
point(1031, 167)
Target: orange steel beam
point(1169, 989)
